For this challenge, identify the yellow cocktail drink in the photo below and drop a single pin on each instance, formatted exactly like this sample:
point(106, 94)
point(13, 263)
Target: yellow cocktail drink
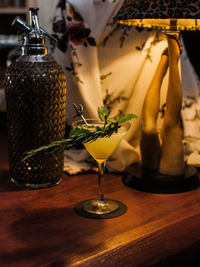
point(103, 147)
point(100, 148)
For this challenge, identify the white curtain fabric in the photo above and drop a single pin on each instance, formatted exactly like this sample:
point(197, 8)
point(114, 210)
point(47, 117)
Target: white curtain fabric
point(190, 111)
point(109, 64)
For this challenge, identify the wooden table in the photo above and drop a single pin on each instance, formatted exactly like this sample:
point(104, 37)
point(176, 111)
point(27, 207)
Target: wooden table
point(40, 228)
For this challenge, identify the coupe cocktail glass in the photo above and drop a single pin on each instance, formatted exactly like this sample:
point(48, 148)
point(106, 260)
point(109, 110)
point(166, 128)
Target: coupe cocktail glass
point(100, 150)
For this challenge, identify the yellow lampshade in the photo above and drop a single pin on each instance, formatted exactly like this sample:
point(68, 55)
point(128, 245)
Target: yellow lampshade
point(170, 15)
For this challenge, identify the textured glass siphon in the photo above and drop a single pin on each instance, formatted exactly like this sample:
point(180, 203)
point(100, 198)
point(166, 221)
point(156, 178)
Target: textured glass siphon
point(35, 96)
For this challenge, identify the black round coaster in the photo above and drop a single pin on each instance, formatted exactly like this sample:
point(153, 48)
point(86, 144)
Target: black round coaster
point(151, 181)
point(120, 211)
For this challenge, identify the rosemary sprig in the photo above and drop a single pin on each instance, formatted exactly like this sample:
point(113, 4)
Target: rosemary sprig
point(86, 133)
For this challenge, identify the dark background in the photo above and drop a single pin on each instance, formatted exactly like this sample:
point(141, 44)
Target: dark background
point(192, 44)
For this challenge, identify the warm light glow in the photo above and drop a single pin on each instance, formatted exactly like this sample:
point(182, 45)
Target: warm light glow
point(166, 24)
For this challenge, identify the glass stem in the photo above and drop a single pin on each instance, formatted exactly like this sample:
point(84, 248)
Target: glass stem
point(100, 195)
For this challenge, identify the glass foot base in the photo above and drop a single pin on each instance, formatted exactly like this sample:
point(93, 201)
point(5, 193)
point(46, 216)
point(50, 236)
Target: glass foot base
point(98, 207)
point(117, 210)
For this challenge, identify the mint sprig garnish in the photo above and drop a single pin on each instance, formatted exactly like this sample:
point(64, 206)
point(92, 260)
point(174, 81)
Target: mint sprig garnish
point(85, 133)
point(103, 113)
point(125, 117)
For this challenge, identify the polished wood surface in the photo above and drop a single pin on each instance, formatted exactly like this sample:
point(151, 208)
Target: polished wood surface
point(40, 228)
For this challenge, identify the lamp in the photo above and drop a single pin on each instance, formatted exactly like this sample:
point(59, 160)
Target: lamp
point(162, 167)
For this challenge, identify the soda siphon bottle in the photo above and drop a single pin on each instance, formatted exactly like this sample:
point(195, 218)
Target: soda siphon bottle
point(35, 98)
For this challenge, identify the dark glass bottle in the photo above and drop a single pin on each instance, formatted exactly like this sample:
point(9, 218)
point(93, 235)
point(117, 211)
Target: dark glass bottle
point(35, 97)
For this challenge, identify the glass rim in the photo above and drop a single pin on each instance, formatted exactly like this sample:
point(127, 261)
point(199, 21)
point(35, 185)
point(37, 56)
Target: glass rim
point(128, 123)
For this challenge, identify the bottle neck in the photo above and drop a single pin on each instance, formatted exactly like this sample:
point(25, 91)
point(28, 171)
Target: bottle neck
point(34, 46)
point(34, 51)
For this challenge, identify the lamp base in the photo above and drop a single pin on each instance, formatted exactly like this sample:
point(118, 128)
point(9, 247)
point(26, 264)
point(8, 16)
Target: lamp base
point(151, 181)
